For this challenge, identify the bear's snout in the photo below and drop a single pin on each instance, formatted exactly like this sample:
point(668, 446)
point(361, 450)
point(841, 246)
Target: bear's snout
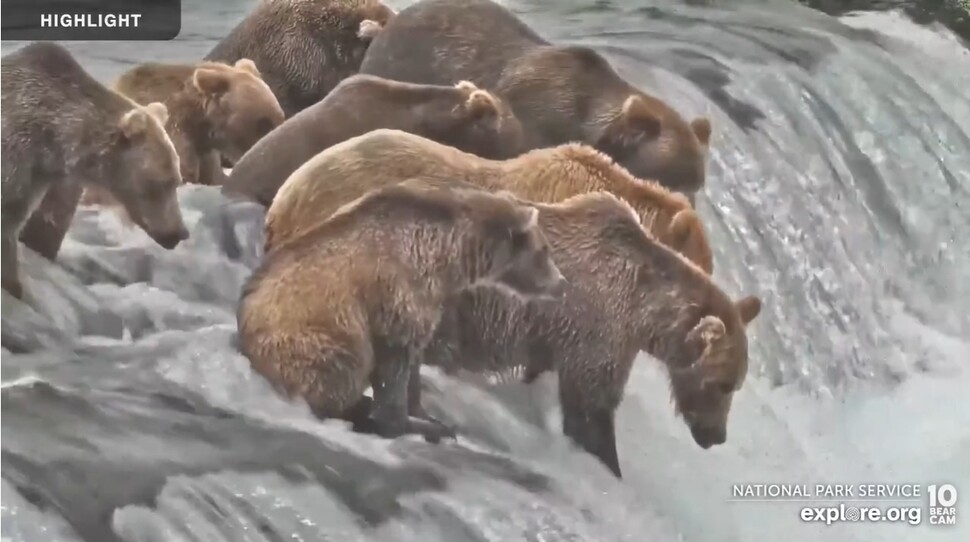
point(170, 240)
point(707, 436)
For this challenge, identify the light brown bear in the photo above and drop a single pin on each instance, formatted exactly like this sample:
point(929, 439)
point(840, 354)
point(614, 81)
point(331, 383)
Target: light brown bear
point(462, 116)
point(213, 109)
point(304, 47)
point(345, 171)
point(625, 293)
point(63, 129)
point(560, 93)
point(354, 301)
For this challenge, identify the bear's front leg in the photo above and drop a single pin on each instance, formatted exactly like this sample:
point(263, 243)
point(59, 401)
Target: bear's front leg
point(416, 410)
point(210, 169)
point(9, 266)
point(46, 228)
point(591, 427)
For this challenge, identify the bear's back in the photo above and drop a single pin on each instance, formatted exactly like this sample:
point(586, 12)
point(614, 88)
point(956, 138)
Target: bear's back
point(151, 81)
point(349, 169)
point(46, 74)
point(447, 41)
point(321, 259)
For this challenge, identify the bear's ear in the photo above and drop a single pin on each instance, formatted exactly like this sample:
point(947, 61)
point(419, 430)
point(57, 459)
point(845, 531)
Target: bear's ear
point(159, 111)
point(480, 104)
point(249, 66)
point(368, 29)
point(466, 86)
point(134, 123)
point(708, 331)
point(749, 308)
point(637, 115)
point(702, 129)
point(210, 82)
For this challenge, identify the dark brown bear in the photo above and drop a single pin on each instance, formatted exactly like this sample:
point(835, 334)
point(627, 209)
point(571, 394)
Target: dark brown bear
point(61, 130)
point(560, 93)
point(354, 301)
point(213, 109)
point(625, 293)
point(304, 48)
point(460, 116)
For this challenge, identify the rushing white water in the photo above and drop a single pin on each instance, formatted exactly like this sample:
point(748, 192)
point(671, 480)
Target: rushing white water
point(839, 192)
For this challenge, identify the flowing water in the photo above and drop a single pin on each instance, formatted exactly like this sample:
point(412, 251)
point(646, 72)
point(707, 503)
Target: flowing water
point(839, 192)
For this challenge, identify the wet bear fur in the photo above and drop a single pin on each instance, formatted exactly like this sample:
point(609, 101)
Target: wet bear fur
point(461, 116)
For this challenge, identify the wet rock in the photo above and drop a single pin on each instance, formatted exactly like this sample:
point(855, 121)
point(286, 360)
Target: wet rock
point(57, 307)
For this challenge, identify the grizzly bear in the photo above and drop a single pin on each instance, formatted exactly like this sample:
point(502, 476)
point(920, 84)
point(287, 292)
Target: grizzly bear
point(462, 116)
point(61, 129)
point(213, 109)
point(346, 170)
point(354, 301)
point(625, 293)
point(304, 47)
point(560, 93)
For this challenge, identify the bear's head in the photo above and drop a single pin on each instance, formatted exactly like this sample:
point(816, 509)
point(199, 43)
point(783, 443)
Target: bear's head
point(238, 103)
point(374, 16)
point(714, 364)
point(501, 243)
point(140, 170)
point(668, 215)
point(479, 123)
point(653, 141)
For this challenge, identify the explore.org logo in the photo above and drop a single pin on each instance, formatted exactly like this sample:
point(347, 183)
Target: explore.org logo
point(912, 504)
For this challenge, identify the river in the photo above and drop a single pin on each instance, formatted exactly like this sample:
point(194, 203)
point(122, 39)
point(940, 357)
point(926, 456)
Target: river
point(838, 191)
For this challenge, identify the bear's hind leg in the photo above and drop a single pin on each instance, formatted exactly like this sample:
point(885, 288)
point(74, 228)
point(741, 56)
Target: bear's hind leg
point(331, 379)
point(395, 371)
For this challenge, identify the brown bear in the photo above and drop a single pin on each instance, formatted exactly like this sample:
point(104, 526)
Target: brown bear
point(560, 93)
point(304, 47)
point(625, 293)
point(213, 109)
point(354, 301)
point(346, 170)
point(462, 116)
point(62, 129)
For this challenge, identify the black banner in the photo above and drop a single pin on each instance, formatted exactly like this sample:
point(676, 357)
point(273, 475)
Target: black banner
point(90, 20)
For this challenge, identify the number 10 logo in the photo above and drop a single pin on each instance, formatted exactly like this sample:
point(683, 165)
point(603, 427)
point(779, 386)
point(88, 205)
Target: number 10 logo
point(944, 495)
point(942, 501)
